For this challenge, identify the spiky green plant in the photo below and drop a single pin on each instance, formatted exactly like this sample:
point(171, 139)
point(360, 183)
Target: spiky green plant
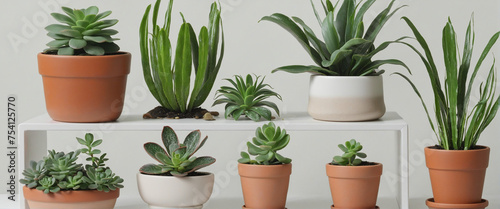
point(351, 150)
point(268, 140)
point(347, 49)
point(456, 127)
point(176, 159)
point(59, 171)
point(170, 84)
point(83, 33)
point(247, 97)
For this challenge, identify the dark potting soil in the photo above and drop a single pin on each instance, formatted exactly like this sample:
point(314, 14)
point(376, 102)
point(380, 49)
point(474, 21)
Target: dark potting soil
point(189, 174)
point(363, 163)
point(162, 112)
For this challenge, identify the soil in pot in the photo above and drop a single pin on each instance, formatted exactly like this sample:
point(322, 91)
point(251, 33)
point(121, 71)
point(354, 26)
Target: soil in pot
point(162, 112)
point(457, 176)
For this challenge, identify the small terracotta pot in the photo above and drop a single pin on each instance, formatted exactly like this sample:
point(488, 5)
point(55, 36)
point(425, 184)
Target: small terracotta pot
point(457, 176)
point(170, 192)
point(70, 199)
point(433, 205)
point(264, 186)
point(346, 98)
point(84, 88)
point(354, 186)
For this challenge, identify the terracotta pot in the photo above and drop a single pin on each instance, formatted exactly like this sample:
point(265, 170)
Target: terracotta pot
point(354, 187)
point(264, 186)
point(169, 192)
point(70, 199)
point(346, 98)
point(433, 205)
point(457, 176)
point(84, 88)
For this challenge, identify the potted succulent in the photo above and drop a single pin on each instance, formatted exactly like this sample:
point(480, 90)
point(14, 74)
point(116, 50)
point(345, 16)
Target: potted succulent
point(247, 97)
point(58, 182)
point(169, 78)
point(354, 183)
point(84, 73)
point(346, 84)
point(178, 169)
point(265, 179)
point(457, 165)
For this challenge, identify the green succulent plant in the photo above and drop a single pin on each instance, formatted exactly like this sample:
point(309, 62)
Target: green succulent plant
point(59, 171)
point(268, 140)
point(347, 49)
point(351, 151)
point(454, 124)
point(176, 159)
point(84, 33)
point(247, 98)
point(169, 78)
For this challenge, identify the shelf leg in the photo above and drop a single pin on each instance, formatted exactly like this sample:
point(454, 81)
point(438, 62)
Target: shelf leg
point(32, 146)
point(403, 194)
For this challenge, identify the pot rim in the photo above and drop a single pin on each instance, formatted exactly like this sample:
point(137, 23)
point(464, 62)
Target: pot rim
point(61, 196)
point(205, 174)
point(361, 166)
point(346, 77)
point(119, 53)
point(482, 148)
point(483, 204)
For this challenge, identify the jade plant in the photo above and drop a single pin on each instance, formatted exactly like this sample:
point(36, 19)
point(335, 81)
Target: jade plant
point(247, 97)
point(59, 171)
point(169, 78)
point(176, 159)
point(351, 151)
point(347, 49)
point(83, 32)
point(268, 140)
point(456, 126)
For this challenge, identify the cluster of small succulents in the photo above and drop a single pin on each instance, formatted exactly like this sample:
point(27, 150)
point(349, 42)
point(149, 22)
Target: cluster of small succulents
point(59, 171)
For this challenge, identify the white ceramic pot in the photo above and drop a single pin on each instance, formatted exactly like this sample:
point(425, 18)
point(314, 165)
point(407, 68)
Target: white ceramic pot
point(168, 192)
point(346, 98)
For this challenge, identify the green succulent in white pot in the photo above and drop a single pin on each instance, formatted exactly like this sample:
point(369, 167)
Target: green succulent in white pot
point(344, 60)
point(457, 121)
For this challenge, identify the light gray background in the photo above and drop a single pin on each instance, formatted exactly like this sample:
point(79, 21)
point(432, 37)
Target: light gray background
point(253, 47)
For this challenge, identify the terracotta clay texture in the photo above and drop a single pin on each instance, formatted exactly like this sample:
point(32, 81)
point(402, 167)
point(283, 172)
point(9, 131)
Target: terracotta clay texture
point(433, 205)
point(346, 98)
point(354, 187)
point(264, 186)
point(457, 176)
point(169, 192)
point(70, 199)
point(84, 88)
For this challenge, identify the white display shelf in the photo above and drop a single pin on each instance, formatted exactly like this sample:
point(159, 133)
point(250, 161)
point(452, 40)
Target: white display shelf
point(33, 140)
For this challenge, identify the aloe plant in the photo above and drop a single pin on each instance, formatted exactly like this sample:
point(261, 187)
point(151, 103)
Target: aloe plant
point(351, 151)
point(347, 49)
point(176, 159)
point(169, 78)
point(84, 33)
point(455, 125)
point(59, 171)
point(247, 97)
point(268, 140)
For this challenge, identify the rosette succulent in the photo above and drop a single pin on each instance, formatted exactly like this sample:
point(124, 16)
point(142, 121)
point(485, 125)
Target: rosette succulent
point(83, 32)
point(176, 159)
point(268, 140)
point(247, 97)
point(351, 150)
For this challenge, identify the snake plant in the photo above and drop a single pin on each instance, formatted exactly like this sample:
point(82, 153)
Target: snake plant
point(347, 49)
point(83, 33)
point(169, 78)
point(247, 98)
point(455, 125)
